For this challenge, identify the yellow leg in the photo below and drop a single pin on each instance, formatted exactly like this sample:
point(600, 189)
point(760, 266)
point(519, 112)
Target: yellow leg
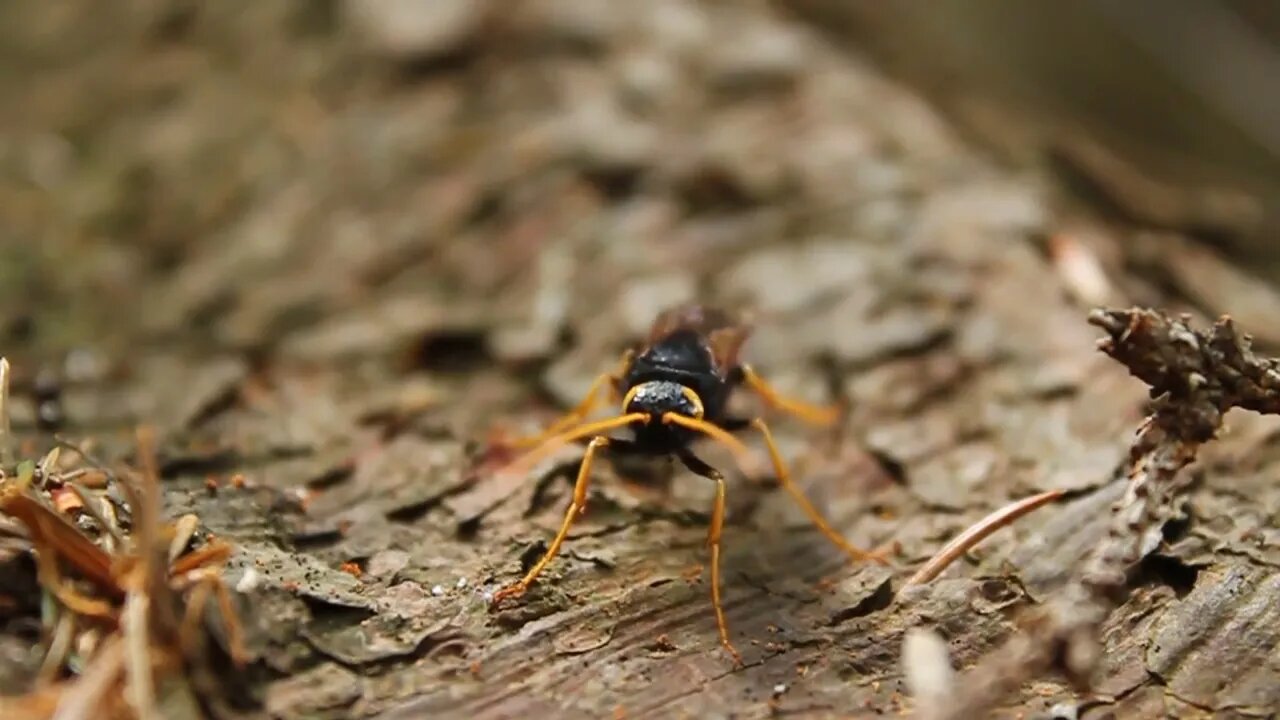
point(713, 540)
point(575, 509)
point(812, 414)
point(784, 478)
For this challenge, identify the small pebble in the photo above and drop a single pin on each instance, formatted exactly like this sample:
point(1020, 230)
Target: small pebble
point(462, 582)
point(437, 590)
point(386, 563)
point(83, 365)
point(1064, 711)
point(410, 30)
point(248, 581)
point(779, 689)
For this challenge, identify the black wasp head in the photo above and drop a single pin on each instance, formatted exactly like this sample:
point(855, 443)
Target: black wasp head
point(659, 397)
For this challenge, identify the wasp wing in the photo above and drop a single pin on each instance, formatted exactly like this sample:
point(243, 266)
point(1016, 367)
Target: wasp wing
point(723, 332)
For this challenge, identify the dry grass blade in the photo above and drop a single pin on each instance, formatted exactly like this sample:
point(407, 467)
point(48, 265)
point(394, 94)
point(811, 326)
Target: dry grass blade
point(148, 621)
point(196, 603)
point(144, 496)
point(51, 579)
point(183, 530)
point(976, 533)
point(59, 646)
point(130, 591)
point(56, 537)
point(89, 696)
point(35, 705)
point(199, 567)
point(49, 463)
point(6, 450)
point(92, 506)
point(139, 667)
point(215, 552)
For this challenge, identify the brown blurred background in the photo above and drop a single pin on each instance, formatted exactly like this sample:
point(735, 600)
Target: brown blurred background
point(1166, 112)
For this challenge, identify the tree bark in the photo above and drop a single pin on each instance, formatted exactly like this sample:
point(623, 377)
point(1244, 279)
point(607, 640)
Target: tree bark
point(330, 264)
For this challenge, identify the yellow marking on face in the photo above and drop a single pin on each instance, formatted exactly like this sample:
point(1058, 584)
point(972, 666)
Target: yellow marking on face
point(631, 395)
point(689, 394)
point(694, 400)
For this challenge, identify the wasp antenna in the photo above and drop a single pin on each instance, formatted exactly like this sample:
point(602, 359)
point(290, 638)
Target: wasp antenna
point(712, 431)
point(550, 445)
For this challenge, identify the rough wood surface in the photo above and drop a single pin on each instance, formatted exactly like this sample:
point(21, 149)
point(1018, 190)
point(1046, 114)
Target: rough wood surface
point(331, 251)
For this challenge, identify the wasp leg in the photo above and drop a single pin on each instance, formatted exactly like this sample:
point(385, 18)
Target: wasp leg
point(696, 465)
point(576, 508)
point(784, 479)
point(734, 425)
point(610, 381)
point(812, 414)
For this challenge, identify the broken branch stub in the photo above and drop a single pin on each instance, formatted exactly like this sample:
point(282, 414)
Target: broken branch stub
point(1195, 378)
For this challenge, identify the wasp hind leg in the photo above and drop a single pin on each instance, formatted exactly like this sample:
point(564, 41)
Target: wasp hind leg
point(576, 508)
point(697, 466)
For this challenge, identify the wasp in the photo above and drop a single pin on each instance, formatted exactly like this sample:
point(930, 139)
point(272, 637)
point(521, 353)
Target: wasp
point(672, 390)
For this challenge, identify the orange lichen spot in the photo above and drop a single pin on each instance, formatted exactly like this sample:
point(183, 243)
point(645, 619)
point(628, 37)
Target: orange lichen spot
point(663, 643)
point(65, 500)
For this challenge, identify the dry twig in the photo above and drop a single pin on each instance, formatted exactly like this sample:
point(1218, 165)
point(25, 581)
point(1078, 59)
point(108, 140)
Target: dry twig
point(1195, 377)
point(976, 533)
point(6, 450)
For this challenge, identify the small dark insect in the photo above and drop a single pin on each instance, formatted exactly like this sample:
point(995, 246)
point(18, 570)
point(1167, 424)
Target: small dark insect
point(47, 391)
point(672, 390)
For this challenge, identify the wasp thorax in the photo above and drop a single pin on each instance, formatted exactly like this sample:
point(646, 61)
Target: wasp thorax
point(658, 397)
